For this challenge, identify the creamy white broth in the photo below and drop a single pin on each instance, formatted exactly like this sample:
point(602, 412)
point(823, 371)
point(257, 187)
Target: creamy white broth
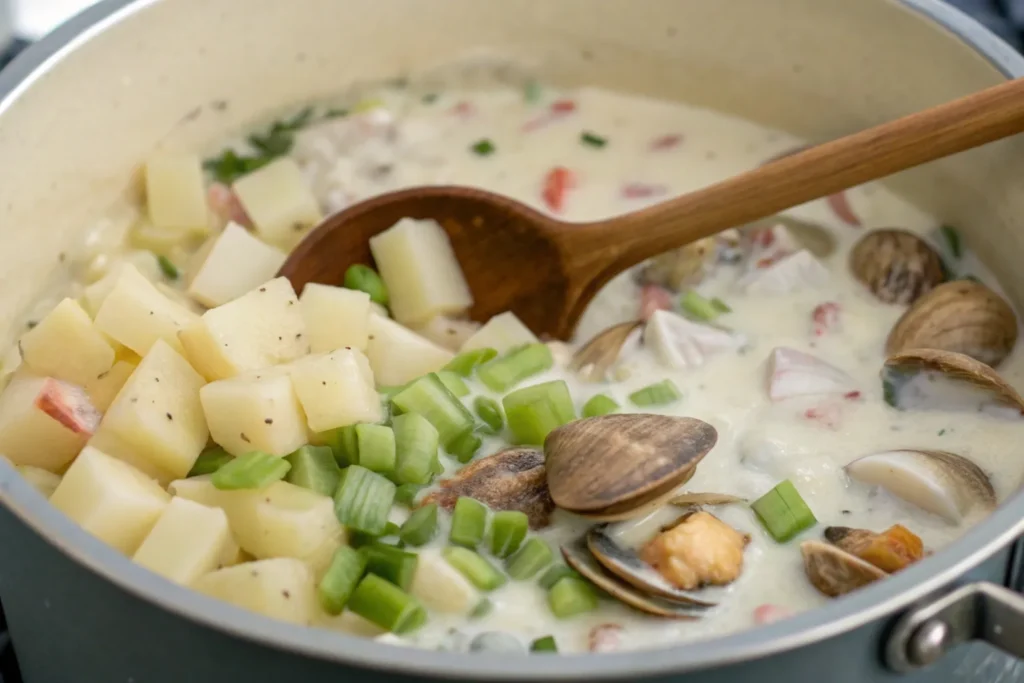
point(412, 140)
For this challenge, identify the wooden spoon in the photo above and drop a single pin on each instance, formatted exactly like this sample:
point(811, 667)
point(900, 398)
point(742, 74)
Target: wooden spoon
point(546, 271)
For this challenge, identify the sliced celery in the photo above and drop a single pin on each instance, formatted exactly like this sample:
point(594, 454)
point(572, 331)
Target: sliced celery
point(454, 383)
point(416, 442)
point(658, 394)
point(698, 307)
point(474, 567)
point(346, 568)
point(600, 404)
point(465, 447)
point(466, 362)
point(421, 526)
point(314, 468)
point(344, 444)
point(531, 558)
point(429, 397)
point(209, 461)
point(363, 500)
point(501, 374)
point(534, 411)
point(366, 279)
point(570, 597)
point(556, 573)
point(387, 605)
point(388, 562)
point(469, 521)
point(376, 448)
point(508, 529)
point(406, 494)
point(254, 470)
point(488, 410)
point(545, 644)
point(783, 512)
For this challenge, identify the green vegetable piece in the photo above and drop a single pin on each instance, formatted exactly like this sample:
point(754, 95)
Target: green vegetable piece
point(593, 140)
point(531, 558)
point(387, 605)
point(555, 573)
point(697, 307)
point(421, 526)
point(342, 576)
point(256, 470)
point(363, 500)
point(483, 148)
point(376, 448)
point(658, 394)
point(366, 279)
point(416, 443)
point(482, 609)
point(466, 362)
point(465, 447)
point(501, 374)
point(469, 521)
point(533, 412)
point(952, 237)
point(454, 383)
point(209, 461)
point(570, 597)
point(532, 92)
point(474, 567)
point(344, 444)
point(489, 412)
point(314, 468)
point(783, 512)
point(600, 404)
point(545, 644)
point(508, 529)
point(388, 562)
point(720, 305)
point(429, 397)
point(167, 267)
point(406, 494)
point(429, 98)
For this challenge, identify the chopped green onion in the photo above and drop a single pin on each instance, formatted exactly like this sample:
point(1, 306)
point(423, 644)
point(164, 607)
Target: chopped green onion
point(467, 361)
point(335, 113)
point(720, 305)
point(533, 412)
point(167, 267)
point(570, 597)
point(429, 397)
point(391, 529)
point(209, 461)
point(889, 392)
point(483, 148)
point(783, 512)
point(421, 526)
point(482, 609)
point(254, 470)
point(488, 410)
point(474, 567)
point(469, 521)
point(532, 92)
point(346, 568)
point(415, 448)
point(366, 279)
point(376, 448)
point(555, 573)
point(593, 140)
point(531, 558)
point(388, 562)
point(659, 394)
point(363, 500)
point(314, 468)
point(406, 494)
point(600, 404)
point(545, 644)
point(465, 447)
point(698, 307)
point(387, 605)
point(453, 382)
point(343, 444)
point(429, 98)
point(368, 104)
point(501, 374)
point(952, 237)
point(508, 529)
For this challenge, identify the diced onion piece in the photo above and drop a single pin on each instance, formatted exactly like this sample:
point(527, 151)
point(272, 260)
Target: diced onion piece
point(336, 317)
point(236, 263)
point(280, 588)
point(792, 273)
point(680, 343)
point(795, 373)
point(174, 191)
point(469, 521)
point(502, 333)
point(255, 412)
point(188, 541)
point(783, 512)
point(65, 344)
point(441, 587)
point(399, 355)
point(277, 199)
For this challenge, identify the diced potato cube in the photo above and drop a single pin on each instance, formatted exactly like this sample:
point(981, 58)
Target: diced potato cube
point(277, 199)
point(162, 240)
point(350, 623)
point(174, 191)
point(66, 345)
point(399, 355)
point(502, 332)
point(335, 317)
point(44, 481)
point(282, 588)
point(448, 332)
point(255, 412)
point(110, 499)
point(441, 587)
point(236, 263)
point(336, 389)
point(188, 541)
point(255, 331)
point(418, 264)
point(104, 388)
point(34, 421)
point(136, 314)
point(156, 420)
point(95, 294)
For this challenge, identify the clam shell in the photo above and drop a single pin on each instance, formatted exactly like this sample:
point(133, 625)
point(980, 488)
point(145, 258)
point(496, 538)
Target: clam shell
point(636, 508)
point(939, 482)
point(961, 316)
point(692, 498)
point(835, 572)
point(896, 265)
point(578, 557)
point(616, 463)
point(680, 267)
point(956, 367)
point(593, 360)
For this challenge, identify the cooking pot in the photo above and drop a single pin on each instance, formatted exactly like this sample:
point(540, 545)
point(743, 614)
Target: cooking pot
point(83, 106)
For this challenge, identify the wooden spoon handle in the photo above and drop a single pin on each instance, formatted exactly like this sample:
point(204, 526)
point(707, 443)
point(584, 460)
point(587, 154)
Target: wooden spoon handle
point(816, 172)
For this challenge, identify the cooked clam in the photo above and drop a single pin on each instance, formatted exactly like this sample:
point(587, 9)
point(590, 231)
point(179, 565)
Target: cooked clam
point(688, 499)
point(896, 265)
point(698, 550)
point(617, 464)
point(834, 571)
point(815, 238)
point(922, 379)
point(961, 316)
point(680, 267)
point(892, 550)
point(939, 482)
point(593, 360)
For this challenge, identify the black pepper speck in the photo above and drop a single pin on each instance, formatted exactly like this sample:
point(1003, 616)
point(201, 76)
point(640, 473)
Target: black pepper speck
point(268, 421)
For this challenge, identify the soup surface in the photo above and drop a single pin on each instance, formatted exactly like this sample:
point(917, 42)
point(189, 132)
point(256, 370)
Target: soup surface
point(766, 334)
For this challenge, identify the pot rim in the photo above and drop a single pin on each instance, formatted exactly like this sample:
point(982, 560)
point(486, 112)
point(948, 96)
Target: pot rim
point(871, 603)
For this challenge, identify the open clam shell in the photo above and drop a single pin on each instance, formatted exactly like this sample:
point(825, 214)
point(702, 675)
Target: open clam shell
point(689, 498)
point(578, 557)
point(835, 572)
point(635, 508)
point(939, 482)
point(594, 359)
point(978, 383)
point(677, 268)
point(896, 265)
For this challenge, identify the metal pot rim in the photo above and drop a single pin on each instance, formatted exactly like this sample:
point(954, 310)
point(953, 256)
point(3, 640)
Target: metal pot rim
point(871, 603)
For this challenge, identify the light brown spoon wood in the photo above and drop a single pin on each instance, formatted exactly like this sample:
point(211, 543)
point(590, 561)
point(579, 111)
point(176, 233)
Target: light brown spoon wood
point(546, 270)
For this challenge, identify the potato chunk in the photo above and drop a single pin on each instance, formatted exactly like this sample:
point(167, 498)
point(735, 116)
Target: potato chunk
point(44, 481)
point(110, 499)
point(255, 331)
point(105, 387)
point(43, 422)
point(502, 332)
point(335, 317)
point(336, 389)
point(236, 263)
point(277, 199)
point(281, 588)
point(136, 314)
point(156, 422)
point(174, 191)
point(255, 412)
point(66, 345)
point(188, 541)
point(701, 550)
point(399, 355)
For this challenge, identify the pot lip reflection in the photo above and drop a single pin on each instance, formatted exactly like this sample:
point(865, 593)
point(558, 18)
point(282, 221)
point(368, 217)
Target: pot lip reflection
point(871, 603)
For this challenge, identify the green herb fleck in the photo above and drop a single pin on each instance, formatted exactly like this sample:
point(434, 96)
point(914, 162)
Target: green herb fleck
point(430, 98)
point(335, 113)
point(942, 432)
point(588, 138)
point(275, 142)
point(169, 270)
point(720, 305)
point(483, 148)
point(532, 92)
point(889, 392)
point(952, 238)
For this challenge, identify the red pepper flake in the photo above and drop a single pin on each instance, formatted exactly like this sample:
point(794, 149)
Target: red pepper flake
point(664, 142)
point(852, 395)
point(840, 205)
point(825, 318)
point(768, 614)
point(563, 106)
point(558, 109)
point(827, 415)
point(464, 109)
point(643, 190)
point(654, 298)
point(224, 203)
point(557, 183)
point(604, 638)
point(764, 237)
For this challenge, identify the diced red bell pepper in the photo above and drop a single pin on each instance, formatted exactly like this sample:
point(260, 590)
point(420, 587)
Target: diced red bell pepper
point(654, 298)
point(643, 190)
point(664, 142)
point(69, 405)
point(840, 205)
point(557, 184)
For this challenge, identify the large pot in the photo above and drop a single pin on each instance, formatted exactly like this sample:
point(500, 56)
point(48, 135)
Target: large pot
point(84, 105)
